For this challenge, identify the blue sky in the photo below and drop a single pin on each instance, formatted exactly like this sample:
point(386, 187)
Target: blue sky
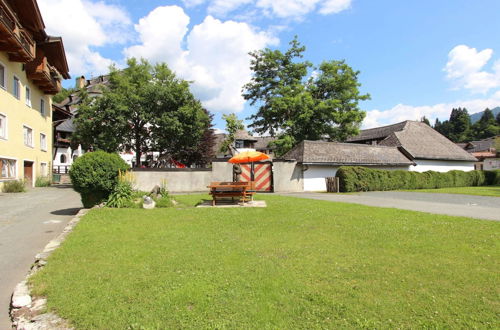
point(416, 57)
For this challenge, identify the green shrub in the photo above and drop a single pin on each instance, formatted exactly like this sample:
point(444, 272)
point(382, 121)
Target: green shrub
point(95, 175)
point(121, 195)
point(164, 201)
point(493, 177)
point(14, 186)
point(42, 181)
point(355, 178)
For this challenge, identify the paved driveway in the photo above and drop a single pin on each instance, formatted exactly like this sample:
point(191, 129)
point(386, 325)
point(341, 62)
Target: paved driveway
point(481, 207)
point(28, 221)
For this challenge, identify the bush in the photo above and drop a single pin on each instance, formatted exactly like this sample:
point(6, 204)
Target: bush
point(95, 176)
point(14, 186)
point(493, 177)
point(42, 181)
point(355, 178)
point(121, 195)
point(163, 202)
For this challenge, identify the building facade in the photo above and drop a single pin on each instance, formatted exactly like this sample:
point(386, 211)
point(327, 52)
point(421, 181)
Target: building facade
point(32, 65)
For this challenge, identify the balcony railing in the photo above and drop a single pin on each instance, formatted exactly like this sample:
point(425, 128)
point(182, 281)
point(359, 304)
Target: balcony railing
point(44, 75)
point(13, 38)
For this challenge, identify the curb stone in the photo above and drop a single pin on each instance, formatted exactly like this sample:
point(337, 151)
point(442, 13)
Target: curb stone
point(28, 312)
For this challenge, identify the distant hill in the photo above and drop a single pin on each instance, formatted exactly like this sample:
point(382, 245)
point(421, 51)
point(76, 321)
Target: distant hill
point(475, 117)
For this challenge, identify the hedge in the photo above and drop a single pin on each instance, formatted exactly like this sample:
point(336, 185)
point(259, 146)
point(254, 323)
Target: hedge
point(95, 175)
point(355, 178)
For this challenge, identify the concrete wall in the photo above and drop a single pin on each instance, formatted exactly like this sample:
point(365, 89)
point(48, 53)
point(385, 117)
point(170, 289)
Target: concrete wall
point(183, 180)
point(178, 180)
point(287, 176)
point(441, 165)
point(314, 176)
point(222, 171)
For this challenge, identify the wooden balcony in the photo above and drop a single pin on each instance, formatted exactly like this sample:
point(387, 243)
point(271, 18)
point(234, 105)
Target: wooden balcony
point(44, 75)
point(16, 41)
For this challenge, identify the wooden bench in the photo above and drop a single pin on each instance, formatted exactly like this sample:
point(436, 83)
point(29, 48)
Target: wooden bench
point(220, 190)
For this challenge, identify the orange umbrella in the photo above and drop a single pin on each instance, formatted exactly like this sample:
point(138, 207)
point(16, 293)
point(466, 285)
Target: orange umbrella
point(248, 157)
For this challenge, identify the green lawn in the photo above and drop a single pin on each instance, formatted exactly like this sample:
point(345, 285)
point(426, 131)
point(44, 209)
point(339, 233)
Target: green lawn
point(479, 191)
point(298, 264)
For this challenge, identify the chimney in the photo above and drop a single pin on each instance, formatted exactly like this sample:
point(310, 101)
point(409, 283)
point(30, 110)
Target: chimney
point(80, 82)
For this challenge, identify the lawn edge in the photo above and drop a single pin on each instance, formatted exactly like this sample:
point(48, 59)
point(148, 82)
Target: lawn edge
point(29, 312)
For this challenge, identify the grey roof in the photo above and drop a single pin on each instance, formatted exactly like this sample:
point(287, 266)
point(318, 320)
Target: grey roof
point(243, 135)
point(418, 139)
point(334, 153)
point(421, 141)
point(263, 142)
point(66, 126)
point(378, 133)
point(481, 145)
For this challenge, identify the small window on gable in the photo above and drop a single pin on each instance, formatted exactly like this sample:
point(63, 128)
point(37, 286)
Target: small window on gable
point(63, 159)
point(2, 76)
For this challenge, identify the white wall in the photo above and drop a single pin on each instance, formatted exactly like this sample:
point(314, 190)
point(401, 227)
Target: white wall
point(314, 177)
point(441, 165)
point(491, 164)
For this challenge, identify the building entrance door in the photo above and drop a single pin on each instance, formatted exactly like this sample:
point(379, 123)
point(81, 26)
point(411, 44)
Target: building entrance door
point(28, 173)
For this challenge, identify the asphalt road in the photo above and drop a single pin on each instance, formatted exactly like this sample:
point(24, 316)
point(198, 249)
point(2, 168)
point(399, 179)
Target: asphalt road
point(480, 207)
point(28, 221)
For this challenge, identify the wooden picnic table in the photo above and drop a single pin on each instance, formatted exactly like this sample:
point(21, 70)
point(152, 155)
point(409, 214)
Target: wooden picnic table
point(230, 189)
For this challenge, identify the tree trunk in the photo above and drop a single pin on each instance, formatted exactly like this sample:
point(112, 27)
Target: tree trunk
point(137, 151)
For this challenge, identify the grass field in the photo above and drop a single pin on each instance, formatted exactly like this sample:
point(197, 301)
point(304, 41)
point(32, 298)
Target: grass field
point(493, 191)
point(298, 264)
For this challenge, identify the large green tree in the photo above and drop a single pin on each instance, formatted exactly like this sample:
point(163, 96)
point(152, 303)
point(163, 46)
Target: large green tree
point(460, 125)
point(144, 108)
point(293, 107)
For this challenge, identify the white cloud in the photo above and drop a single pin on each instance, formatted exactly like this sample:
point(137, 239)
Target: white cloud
point(85, 25)
point(465, 68)
point(274, 8)
point(214, 54)
point(442, 111)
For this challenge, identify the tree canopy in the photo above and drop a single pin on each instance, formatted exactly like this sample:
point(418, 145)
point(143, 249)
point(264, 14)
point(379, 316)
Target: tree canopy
point(295, 104)
point(144, 108)
point(459, 128)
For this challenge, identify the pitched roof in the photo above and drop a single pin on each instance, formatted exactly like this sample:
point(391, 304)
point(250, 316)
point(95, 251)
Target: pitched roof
point(334, 153)
point(418, 139)
point(423, 142)
point(481, 145)
point(263, 142)
point(378, 133)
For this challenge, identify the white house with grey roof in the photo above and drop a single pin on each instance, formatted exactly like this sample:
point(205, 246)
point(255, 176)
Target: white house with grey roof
point(410, 146)
point(430, 150)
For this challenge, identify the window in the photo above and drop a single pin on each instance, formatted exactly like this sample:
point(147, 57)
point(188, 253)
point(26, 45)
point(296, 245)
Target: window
point(28, 96)
point(16, 88)
point(8, 167)
point(28, 136)
point(43, 142)
point(43, 169)
point(62, 159)
point(3, 127)
point(2, 76)
point(42, 107)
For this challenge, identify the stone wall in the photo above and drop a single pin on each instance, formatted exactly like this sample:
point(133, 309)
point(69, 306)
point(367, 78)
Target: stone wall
point(287, 176)
point(178, 180)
